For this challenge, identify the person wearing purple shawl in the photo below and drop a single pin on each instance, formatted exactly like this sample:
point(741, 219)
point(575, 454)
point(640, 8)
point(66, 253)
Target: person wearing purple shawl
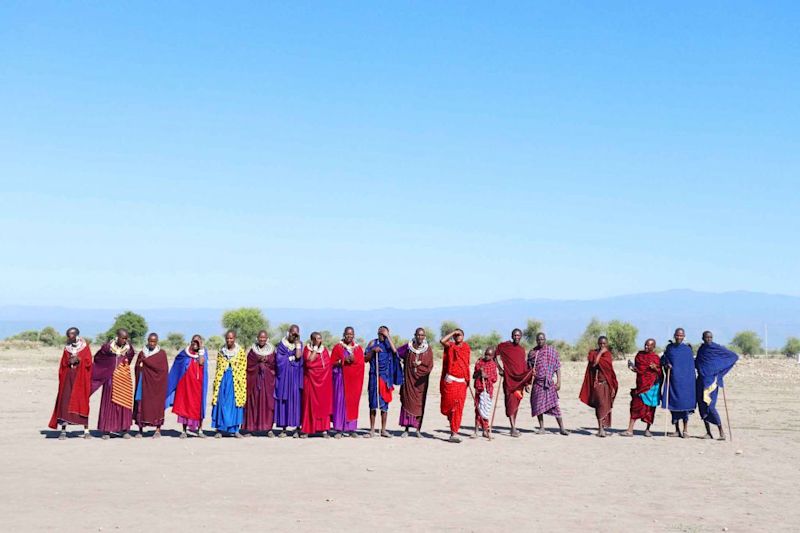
point(545, 363)
point(116, 406)
point(680, 398)
point(289, 382)
point(713, 363)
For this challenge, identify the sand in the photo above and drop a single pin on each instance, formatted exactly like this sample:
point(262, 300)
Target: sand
point(539, 482)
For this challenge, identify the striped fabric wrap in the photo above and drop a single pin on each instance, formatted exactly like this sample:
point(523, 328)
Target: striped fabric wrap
point(122, 387)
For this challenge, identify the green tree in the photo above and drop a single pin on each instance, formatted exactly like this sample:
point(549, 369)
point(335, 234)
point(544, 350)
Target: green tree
point(447, 327)
point(747, 343)
point(50, 337)
point(588, 339)
point(430, 335)
point(532, 328)
point(622, 337)
point(566, 351)
point(135, 324)
point(328, 338)
point(479, 343)
point(792, 347)
point(246, 322)
point(30, 335)
point(281, 331)
point(175, 340)
point(398, 340)
point(214, 343)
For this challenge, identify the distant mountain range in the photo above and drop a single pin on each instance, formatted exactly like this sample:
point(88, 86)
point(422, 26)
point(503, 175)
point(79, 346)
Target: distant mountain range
point(655, 314)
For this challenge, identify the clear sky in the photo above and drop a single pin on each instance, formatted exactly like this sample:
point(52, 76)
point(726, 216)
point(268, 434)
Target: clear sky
point(359, 155)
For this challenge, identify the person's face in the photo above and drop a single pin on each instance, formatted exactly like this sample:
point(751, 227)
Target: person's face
point(541, 340)
point(122, 338)
point(72, 336)
point(708, 337)
point(152, 342)
point(316, 340)
point(488, 354)
point(195, 344)
point(262, 339)
point(516, 336)
point(349, 335)
point(649, 345)
point(419, 336)
point(679, 336)
point(230, 339)
point(294, 334)
point(602, 343)
point(458, 337)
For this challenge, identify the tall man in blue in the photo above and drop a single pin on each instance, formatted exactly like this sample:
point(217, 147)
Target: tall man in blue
point(680, 399)
point(713, 362)
point(384, 373)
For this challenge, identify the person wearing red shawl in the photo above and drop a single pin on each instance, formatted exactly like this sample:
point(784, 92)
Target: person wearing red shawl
point(152, 370)
point(485, 376)
point(516, 375)
point(645, 396)
point(74, 386)
point(112, 372)
point(453, 384)
point(417, 357)
point(347, 362)
point(259, 409)
point(317, 388)
point(600, 384)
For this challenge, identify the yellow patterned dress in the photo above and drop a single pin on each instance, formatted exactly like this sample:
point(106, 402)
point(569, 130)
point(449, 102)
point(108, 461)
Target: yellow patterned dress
point(230, 389)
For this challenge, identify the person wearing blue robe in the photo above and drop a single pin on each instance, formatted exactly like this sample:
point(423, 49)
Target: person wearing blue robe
point(385, 372)
point(289, 382)
point(713, 363)
point(680, 399)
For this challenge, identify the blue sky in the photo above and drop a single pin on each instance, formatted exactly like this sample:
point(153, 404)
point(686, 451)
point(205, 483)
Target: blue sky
point(363, 155)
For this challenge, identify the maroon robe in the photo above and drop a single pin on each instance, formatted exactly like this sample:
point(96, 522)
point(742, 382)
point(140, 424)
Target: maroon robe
point(259, 410)
point(516, 374)
point(600, 385)
point(151, 375)
point(416, 374)
point(74, 386)
point(113, 417)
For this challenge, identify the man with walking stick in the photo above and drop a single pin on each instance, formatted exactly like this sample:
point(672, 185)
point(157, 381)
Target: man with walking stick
point(679, 393)
point(713, 363)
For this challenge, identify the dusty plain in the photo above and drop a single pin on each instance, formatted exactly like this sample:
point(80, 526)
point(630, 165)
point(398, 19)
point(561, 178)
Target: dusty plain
point(536, 482)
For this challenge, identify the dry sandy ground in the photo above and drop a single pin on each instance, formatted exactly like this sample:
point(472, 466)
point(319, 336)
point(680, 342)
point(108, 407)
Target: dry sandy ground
point(534, 482)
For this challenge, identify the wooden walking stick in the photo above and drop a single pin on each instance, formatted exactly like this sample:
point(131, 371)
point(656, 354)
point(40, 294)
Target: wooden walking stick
point(666, 404)
point(727, 417)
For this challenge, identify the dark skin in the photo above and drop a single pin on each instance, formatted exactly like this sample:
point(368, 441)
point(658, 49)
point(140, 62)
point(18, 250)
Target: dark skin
point(488, 355)
point(419, 338)
point(708, 338)
point(649, 347)
point(541, 342)
point(121, 340)
point(152, 342)
point(516, 338)
point(679, 337)
point(348, 336)
point(383, 335)
point(293, 336)
point(457, 337)
point(196, 347)
point(74, 360)
point(262, 341)
point(230, 343)
point(602, 347)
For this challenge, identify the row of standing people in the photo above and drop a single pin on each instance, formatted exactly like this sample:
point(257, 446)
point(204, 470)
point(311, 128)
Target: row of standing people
point(307, 389)
point(676, 380)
